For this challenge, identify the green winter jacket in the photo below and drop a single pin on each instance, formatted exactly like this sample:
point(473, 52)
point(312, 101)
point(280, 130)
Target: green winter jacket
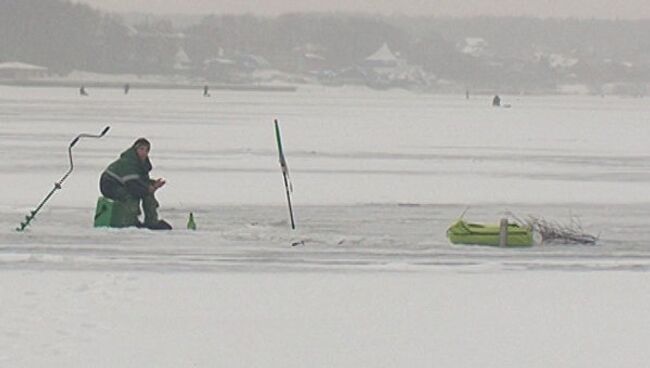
point(130, 172)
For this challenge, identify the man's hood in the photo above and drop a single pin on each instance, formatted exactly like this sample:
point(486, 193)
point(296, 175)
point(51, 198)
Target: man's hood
point(131, 155)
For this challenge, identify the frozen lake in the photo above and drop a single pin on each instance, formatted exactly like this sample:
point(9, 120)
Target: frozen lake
point(378, 178)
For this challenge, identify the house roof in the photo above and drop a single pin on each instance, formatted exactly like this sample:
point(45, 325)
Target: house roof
point(382, 54)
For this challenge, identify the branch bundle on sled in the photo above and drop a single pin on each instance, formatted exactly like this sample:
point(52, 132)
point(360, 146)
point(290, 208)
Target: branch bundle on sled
point(555, 232)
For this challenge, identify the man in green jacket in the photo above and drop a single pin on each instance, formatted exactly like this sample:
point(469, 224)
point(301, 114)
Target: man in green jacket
point(127, 181)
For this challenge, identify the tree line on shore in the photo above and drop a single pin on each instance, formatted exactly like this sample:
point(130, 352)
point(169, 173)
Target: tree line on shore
point(484, 51)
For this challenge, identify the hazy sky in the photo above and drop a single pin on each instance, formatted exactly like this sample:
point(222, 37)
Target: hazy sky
point(625, 9)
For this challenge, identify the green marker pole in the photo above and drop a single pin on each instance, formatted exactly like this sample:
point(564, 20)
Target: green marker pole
point(285, 172)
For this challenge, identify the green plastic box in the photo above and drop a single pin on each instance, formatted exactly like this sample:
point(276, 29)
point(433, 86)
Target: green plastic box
point(109, 213)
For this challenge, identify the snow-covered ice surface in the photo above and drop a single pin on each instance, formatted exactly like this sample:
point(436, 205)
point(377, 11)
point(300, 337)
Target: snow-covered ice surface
point(378, 177)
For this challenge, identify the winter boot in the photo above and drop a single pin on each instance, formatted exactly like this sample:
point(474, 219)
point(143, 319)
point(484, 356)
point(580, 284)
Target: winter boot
point(160, 225)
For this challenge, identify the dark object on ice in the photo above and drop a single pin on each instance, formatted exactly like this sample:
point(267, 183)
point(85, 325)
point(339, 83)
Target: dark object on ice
point(205, 91)
point(59, 183)
point(127, 87)
point(496, 101)
point(82, 91)
point(126, 181)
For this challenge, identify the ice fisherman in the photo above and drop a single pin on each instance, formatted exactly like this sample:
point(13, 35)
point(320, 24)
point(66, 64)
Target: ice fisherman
point(82, 91)
point(127, 180)
point(496, 101)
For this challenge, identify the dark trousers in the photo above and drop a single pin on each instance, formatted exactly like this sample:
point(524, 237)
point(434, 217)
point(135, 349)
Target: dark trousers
point(112, 189)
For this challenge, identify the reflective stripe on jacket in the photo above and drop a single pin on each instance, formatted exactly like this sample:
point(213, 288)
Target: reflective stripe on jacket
point(131, 172)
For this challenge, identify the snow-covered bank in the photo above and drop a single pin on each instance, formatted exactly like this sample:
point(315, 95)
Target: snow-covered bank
point(76, 79)
point(146, 85)
point(448, 319)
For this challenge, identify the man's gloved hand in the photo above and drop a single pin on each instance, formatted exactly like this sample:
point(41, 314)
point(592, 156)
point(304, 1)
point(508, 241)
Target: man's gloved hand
point(156, 184)
point(159, 183)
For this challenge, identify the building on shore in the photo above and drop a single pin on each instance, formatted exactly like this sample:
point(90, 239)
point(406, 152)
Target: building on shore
point(386, 69)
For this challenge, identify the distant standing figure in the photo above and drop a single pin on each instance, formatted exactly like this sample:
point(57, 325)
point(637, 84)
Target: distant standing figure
point(496, 101)
point(205, 91)
point(467, 94)
point(82, 91)
point(127, 87)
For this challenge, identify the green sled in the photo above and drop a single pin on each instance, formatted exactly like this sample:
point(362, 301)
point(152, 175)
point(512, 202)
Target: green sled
point(462, 232)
